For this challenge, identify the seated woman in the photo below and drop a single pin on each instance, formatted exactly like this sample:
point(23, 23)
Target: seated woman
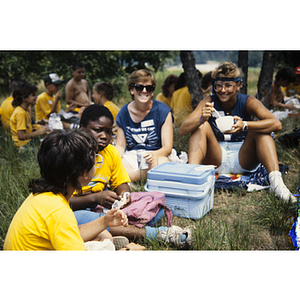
point(249, 142)
point(144, 123)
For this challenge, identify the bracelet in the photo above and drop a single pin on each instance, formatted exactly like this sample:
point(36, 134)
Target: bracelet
point(200, 119)
point(127, 248)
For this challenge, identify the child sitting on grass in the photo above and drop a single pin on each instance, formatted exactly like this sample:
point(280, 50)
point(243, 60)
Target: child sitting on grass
point(48, 102)
point(77, 89)
point(22, 130)
point(6, 106)
point(103, 93)
point(45, 220)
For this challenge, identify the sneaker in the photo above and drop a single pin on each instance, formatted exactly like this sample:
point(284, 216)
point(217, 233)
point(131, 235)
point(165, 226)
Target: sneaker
point(120, 242)
point(176, 235)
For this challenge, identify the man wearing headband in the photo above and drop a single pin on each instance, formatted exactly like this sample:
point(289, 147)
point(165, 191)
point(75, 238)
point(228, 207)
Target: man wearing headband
point(247, 144)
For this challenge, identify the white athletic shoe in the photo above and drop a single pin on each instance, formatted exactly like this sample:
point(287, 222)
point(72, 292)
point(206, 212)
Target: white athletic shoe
point(176, 235)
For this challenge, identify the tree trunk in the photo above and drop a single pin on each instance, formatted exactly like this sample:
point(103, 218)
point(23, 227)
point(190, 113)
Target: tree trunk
point(266, 77)
point(243, 65)
point(192, 79)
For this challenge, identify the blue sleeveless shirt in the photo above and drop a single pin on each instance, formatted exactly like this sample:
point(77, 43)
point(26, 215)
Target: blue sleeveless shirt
point(238, 110)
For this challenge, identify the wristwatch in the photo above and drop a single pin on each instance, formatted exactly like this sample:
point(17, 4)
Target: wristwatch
point(245, 128)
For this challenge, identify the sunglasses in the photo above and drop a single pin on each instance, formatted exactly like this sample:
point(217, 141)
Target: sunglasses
point(149, 88)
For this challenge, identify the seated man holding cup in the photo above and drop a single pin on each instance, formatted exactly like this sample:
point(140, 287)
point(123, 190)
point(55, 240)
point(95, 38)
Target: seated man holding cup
point(248, 143)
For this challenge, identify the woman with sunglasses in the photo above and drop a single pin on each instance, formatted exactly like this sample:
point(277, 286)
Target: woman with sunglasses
point(248, 144)
point(144, 124)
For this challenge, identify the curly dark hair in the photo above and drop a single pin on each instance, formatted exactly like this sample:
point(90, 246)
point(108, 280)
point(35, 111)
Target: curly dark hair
point(22, 91)
point(286, 73)
point(93, 112)
point(63, 157)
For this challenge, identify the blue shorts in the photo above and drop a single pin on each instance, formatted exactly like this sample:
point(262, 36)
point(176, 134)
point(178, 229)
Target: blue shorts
point(230, 159)
point(85, 216)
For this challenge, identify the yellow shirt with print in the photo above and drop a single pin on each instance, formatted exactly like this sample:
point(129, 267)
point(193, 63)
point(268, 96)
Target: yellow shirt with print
point(44, 222)
point(43, 106)
point(21, 120)
point(7, 110)
point(110, 170)
point(181, 105)
point(166, 100)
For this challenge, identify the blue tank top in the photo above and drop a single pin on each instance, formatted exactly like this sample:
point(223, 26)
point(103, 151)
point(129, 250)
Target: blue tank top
point(238, 110)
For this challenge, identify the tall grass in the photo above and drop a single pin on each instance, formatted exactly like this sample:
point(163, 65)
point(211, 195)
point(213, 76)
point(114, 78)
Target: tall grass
point(238, 220)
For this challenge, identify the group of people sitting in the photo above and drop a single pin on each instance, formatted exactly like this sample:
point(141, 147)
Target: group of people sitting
point(105, 171)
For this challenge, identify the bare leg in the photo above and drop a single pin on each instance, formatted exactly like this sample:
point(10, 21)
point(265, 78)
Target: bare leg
point(131, 232)
point(204, 147)
point(135, 175)
point(102, 236)
point(258, 148)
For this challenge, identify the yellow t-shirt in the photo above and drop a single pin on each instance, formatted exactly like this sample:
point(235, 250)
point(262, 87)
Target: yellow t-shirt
point(20, 120)
point(111, 171)
point(291, 90)
point(166, 100)
point(44, 222)
point(43, 106)
point(7, 110)
point(181, 105)
point(114, 109)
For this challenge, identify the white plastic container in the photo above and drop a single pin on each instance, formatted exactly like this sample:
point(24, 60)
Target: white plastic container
point(188, 189)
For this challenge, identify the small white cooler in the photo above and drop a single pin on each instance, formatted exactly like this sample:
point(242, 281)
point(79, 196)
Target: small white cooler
point(189, 189)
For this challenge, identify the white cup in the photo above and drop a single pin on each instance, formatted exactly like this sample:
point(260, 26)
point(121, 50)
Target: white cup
point(225, 123)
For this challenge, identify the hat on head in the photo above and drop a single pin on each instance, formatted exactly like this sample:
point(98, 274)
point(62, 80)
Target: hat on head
point(297, 70)
point(52, 78)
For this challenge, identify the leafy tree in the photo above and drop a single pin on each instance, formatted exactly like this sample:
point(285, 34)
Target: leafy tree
point(111, 66)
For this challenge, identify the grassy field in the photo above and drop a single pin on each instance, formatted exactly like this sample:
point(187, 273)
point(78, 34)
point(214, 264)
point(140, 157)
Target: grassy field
point(238, 220)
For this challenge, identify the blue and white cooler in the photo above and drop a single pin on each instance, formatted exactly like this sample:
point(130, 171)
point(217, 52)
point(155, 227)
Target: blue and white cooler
point(189, 189)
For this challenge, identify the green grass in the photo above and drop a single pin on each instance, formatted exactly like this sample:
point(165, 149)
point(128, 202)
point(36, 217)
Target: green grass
point(238, 220)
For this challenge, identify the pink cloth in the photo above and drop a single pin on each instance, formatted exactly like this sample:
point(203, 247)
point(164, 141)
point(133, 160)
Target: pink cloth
point(144, 207)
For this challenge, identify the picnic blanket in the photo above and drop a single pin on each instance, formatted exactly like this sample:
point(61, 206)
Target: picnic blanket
point(250, 182)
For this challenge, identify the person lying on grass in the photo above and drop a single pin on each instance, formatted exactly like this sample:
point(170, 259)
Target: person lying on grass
point(110, 171)
point(247, 144)
point(45, 220)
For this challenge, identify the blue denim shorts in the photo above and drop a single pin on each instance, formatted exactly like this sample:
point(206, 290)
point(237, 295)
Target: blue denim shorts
point(85, 216)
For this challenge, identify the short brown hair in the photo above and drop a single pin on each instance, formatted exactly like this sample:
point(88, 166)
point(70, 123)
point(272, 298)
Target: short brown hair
point(227, 69)
point(137, 76)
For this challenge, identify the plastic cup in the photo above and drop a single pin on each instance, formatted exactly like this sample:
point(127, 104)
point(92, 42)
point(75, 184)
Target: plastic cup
point(141, 160)
point(225, 123)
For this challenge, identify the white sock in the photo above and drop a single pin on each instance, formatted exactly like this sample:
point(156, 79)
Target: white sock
point(277, 185)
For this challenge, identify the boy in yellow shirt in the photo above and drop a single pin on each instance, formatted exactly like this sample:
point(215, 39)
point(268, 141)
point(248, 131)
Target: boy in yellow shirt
point(22, 130)
point(110, 170)
point(49, 102)
point(45, 220)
